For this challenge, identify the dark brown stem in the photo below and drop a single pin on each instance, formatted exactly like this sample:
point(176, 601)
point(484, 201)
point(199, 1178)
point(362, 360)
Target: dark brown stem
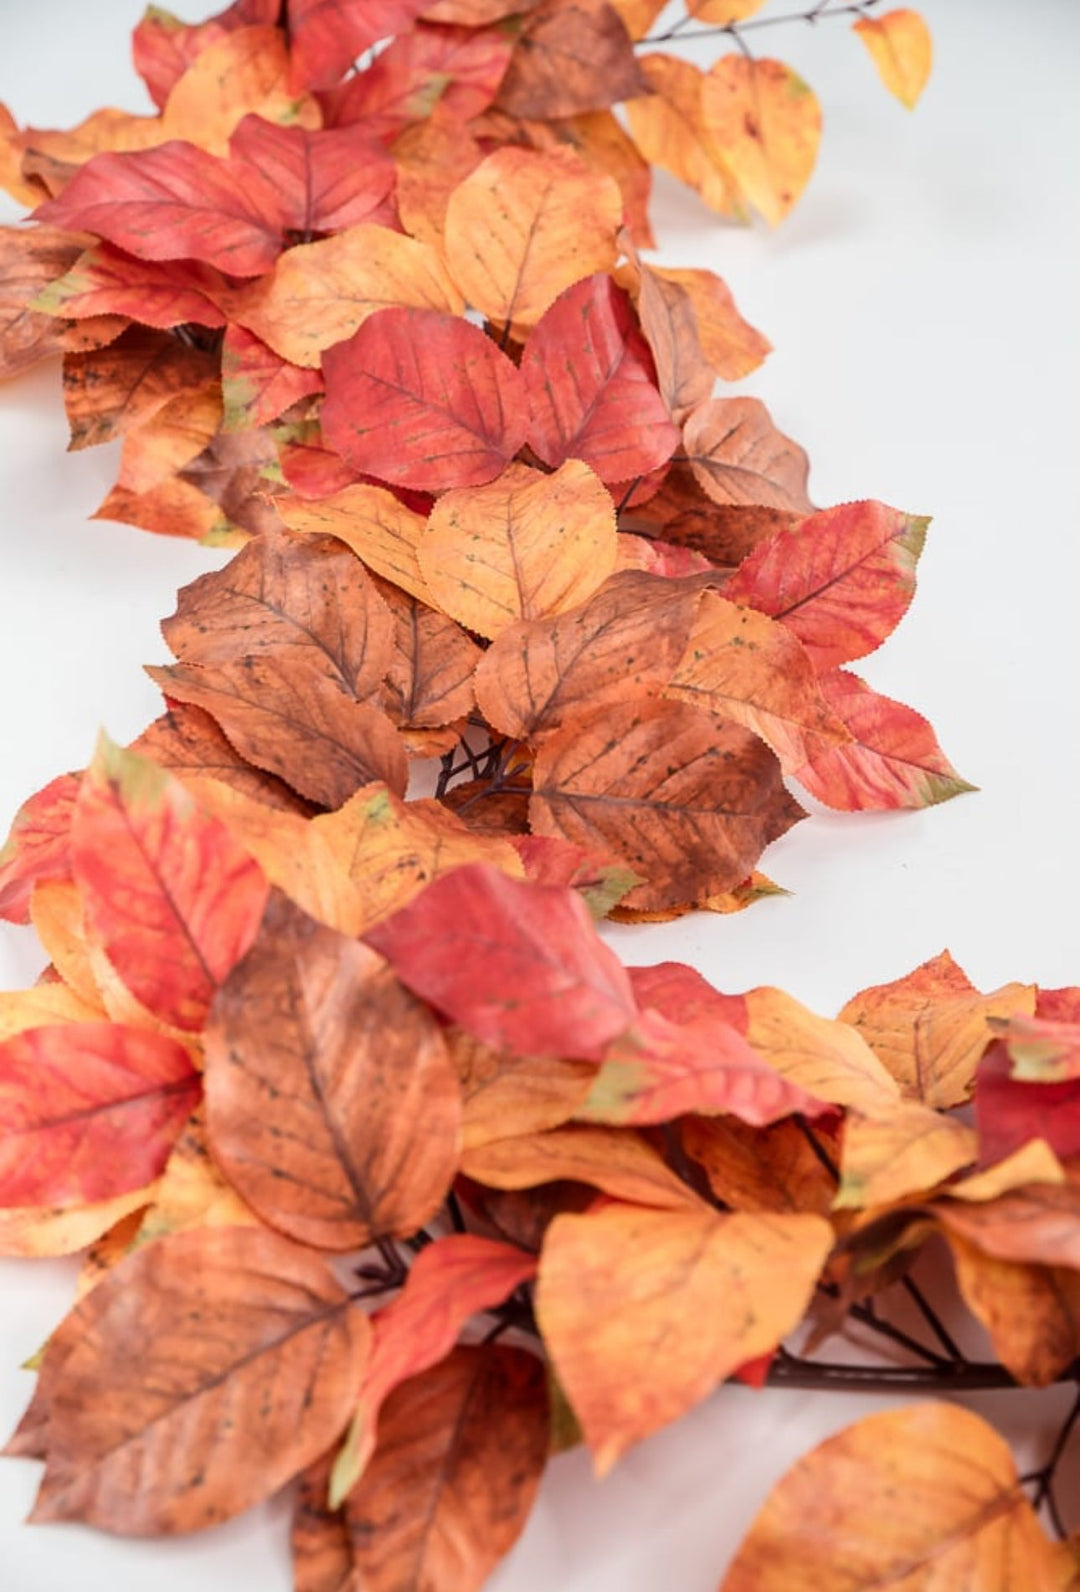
point(822, 12)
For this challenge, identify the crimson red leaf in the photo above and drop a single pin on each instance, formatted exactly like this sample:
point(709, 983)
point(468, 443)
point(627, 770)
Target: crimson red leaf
point(422, 399)
point(324, 181)
point(88, 1111)
point(257, 384)
point(326, 36)
point(682, 995)
point(591, 385)
point(38, 846)
point(1010, 1112)
point(160, 293)
point(173, 897)
point(518, 965)
point(174, 202)
point(456, 69)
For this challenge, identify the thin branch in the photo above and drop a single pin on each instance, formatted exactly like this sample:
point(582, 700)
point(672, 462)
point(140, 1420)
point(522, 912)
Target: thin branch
point(822, 12)
point(932, 1319)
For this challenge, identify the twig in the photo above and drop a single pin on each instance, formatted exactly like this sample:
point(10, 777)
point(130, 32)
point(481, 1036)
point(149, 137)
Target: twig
point(822, 12)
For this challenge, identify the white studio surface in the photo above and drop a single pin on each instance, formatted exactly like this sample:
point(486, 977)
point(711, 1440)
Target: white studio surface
point(922, 303)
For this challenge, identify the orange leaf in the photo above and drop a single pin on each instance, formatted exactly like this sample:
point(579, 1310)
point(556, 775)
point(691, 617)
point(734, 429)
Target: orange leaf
point(616, 1160)
point(900, 1151)
point(248, 1355)
point(109, 390)
point(731, 345)
point(760, 1169)
point(28, 264)
point(767, 123)
point(525, 546)
point(1036, 1223)
point(828, 1059)
point(524, 226)
point(173, 898)
point(1032, 1313)
point(900, 47)
point(32, 1232)
point(507, 1094)
point(670, 128)
point(244, 73)
point(188, 743)
point(332, 1105)
point(715, 1290)
point(687, 801)
point(832, 1521)
point(742, 460)
point(380, 529)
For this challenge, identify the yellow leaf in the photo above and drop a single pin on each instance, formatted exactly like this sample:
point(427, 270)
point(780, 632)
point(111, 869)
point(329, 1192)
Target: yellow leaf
point(826, 1058)
point(901, 49)
point(670, 130)
point(32, 1232)
point(767, 124)
point(899, 1152)
point(382, 532)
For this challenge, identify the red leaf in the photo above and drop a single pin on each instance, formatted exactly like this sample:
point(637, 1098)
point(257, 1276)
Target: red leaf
point(163, 47)
point(893, 760)
point(452, 1279)
point(160, 293)
point(456, 69)
point(174, 899)
point(324, 181)
point(38, 846)
point(326, 36)
point(591, 385)
point(257, 384)
point(422, 399)
point(518, 965)
point(174, 202)
point(680, 994)
point(842, 579)
point(88, 1111)
point(1009, 1113)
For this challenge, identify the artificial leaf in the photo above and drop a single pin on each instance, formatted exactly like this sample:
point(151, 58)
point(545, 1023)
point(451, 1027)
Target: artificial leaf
point(686, 800)
point(21, 1009)
point(323, 181)
point(28, 263)
point(590, 382)
point(170, 440)
point(1035, 1223)
point(550, 985)
point(424, 400)
point(659, 1070)
point(623, 642)
point(88, 1111)
point(248, 1354)
point(721, 13)
point(319, 293)
point(1010, 1112)
point(887, 1156)
point(900, 47)
point(767, 121)
point(828, 1059)
point(453, 71)
point(524, 226)
point(841, 579)
point(163, 47)
point(833, 1522)
point(503, 1093)
point(775, 1168)
point(743, 462)
point(56, 911)
point(294, 722)
point(326, 36)
point(460, 1453)
point(715, 1290)
point(109, 390)
point(741, 665)
point(188, 743)
point(257, 385)
point(432, 157)
point(571, 56)
point(158, 293)
point(173, 898)
point(379, 528)
point(524, 546)
point(1032, 1313)
point(32, 1232)
point(932, 1027)
point(192, 1191)
point(430, 678)
point(671, 130)
point(620, 1163)
point(245, 72)
point(731, 345)
point(451, 1279)
point(38, 845)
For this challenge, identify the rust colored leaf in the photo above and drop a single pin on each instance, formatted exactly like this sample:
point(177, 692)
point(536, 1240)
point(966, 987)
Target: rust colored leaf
point(761, 1169)
point(109, 390)
point(731, 345)
point(295, 723)
point(525, 546)
point(669, 323)
point(380, 529)
point(37, 846)
point(686, 800)
point(245, 72)
point(1032, 1313)
point(257, 385)
point(659, 1070)
point(671, 129)
point(741, 665)
point(619, 1162)
point(170, 440)
point(590, 381)
point(932, 1027)
point(742, 460)
point(432, 157)
point(1036, 1224)
point(833, 1522)
point(571, 56)
point(247, 1356)
point(842, 579)
point(767, 121)
point(508, 1094)
point(173, 898)
point(455, 1277)
point(715, 1290)
point(900, 47)
point(893, 758)
point(460, 1454)
point(28, 264)
point(448, 72)
point(88, 1111)
point(332, 1105)
point(421, 399)
point(524, 226)
point(829, 1059)
point(623, 642)
point(159, 293)
point(549, 985)
point(188, 743)
point(327, 36)
point(319, 293)
point(430, 678)
point(904, 1151)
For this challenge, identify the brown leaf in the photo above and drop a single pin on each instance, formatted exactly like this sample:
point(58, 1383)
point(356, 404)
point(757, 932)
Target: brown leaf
point(932, 1027)
point(1032, 1313)
point(616, 1160)
point(833, 1521)
point(761, 1169)
point(686, 800)
point(523, 547)
point(742, 460)
point(713, 1290)
point(430, 679)
point(108, 390)
point(247, 1356)
point(571, 56)
point(28, 263)
point(669, 322)
point(188, 743)
point(332, 1105)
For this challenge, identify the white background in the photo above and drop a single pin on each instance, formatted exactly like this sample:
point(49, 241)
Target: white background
point(922, 300)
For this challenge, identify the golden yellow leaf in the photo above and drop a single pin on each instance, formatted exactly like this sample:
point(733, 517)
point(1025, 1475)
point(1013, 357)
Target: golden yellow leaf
point(244, 73)
point(382, 532)
point(32, 1232)
point(670, 129)
point(21, 1009)
point(900, 1151)
point(767, 122)
point(901, 49)
point(617, 1160)
point(826, 1058)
